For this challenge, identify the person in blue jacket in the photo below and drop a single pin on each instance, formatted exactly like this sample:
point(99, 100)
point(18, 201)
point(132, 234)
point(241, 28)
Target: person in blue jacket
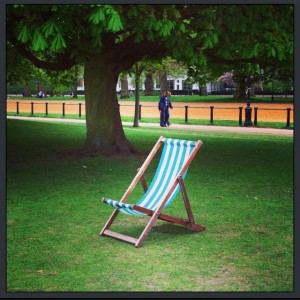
point(163, 106)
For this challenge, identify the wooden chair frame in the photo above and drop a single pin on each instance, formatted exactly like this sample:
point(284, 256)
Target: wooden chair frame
point(155, 214)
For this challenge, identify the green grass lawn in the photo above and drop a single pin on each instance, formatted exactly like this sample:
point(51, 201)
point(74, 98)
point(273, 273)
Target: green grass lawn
point(240, 187)
point(185, 98)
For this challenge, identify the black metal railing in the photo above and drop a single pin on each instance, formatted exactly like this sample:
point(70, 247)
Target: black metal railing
point(211, 110)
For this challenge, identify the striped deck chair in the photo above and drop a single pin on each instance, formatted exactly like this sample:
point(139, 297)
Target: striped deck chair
point(172, 168)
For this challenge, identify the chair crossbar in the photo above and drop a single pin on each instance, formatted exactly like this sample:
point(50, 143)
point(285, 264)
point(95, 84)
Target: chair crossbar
point(170, 219)
point(120, 236)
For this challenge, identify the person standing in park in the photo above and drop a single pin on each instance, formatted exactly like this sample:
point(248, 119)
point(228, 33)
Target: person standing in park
point(163, 106)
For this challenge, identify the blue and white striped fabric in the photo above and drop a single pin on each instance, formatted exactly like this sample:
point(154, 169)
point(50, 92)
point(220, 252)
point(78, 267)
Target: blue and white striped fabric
point(174, 156)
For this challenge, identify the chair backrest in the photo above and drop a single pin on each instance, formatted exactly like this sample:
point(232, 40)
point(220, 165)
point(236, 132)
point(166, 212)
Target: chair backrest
point(173, 158)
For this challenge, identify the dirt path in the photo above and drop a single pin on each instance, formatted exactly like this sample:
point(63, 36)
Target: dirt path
point(203, 128)
point(267, 112)
point(276, 112)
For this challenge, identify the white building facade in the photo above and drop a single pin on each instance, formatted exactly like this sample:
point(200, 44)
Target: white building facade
point(175, 84)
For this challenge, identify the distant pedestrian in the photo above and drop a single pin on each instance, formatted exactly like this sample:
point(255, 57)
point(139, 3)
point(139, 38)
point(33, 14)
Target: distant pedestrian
point(41, 94)
point(23, 92)
point(163, 106)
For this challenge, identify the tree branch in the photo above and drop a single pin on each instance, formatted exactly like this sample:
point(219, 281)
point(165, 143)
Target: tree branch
point(63, 61)
point(128, 52)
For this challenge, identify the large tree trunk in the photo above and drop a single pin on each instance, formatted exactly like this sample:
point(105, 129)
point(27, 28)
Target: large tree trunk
point(137, 103)
point(241, 87)
point(27, 91)
point(149, 84)
point(163, 81)
point(203, 89)
point(74, 87)
point(105, 134)
point(124, 86)
point(137, 96)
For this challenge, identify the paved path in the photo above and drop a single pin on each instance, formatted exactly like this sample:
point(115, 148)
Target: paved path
point(242, 129)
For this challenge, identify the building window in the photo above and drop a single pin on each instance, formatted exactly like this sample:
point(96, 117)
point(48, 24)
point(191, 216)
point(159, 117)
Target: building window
point(171, 84)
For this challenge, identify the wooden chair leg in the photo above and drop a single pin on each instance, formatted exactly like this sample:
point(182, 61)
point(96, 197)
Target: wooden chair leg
point(186, 201)
point(144, 184)
point(146, 230)
point(109, 222)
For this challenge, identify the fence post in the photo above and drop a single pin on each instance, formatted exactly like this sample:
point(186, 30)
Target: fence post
point(186, 114)
point(140, 111)
point(31, 108)
point(240, 115)
point(46, 108)
point(288, 117)
point(255, 116)
point(63, 109)
point(211, 114)
point(79, 109)
point(17, 107)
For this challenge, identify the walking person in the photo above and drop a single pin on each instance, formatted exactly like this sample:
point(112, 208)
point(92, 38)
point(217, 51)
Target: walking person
point(163, 106)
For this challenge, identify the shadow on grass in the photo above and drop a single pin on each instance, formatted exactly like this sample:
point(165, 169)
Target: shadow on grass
point(172, 229)
point(159, 233)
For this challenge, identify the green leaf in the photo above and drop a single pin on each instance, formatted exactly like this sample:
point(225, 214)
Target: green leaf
point(24, 34)
point(55, 43)
point(245, 52)
point(139, 37)
point(214, 38)
point(182, 27)
point(203, 35)
point(97, 17)
point(157, 25)
point(150, 36)
point(273, 52)
point(281, 55)
point(58, 43)
point(133, 12)
point(242, 27)
point(256, 50)
point(98, 42)
point(291, 47)
point(115, 23)
point(226, 53)
point(48, 29)
point(54, 7)
point(38, 43)
point(165, 29)
point(208, 43)
point(203, 60)
point(151, 24)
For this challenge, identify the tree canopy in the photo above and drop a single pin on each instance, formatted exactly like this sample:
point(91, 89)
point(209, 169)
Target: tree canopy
point(225, 33)
point(109, 39)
